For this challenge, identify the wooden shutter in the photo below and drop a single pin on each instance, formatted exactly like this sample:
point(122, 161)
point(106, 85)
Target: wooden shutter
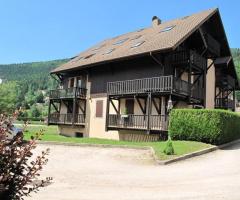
point(99, 108)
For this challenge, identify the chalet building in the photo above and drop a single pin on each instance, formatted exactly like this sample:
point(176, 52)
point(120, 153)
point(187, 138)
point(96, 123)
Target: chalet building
point(124, 87)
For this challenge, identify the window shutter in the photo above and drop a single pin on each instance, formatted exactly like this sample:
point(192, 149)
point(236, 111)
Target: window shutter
point(99, 108)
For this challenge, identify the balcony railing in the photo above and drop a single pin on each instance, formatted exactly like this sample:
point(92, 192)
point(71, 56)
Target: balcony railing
point(140, 122)
point(224, 103)
point(162, 84)
point(57, 118)
point(184, 57)
point(68, 93)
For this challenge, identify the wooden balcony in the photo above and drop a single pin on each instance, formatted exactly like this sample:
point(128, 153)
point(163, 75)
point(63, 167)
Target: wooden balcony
point(162, 84)
point(66, 119)
point(225, 81)
point(184, 58)
point(69, 93)
point(137, 122)
point(224, 103)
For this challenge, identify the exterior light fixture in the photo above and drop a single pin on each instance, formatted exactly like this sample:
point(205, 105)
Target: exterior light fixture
point(169, 105)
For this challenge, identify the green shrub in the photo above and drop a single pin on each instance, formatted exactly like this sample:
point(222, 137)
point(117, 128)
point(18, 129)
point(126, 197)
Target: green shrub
point(169, 150)
point(203, 125)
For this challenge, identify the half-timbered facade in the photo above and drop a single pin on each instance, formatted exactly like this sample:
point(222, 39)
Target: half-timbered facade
point(124, 87)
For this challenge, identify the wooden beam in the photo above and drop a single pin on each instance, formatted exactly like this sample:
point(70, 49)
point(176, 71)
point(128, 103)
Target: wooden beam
point(55, 107)
point(74, 111)
point(116, 110)
point(107, 114)
point(149, 112)
point(156, 107)
point(143, 109)
point(81, 108)
point(210, 65)
point(49, 112)
point(203, 37)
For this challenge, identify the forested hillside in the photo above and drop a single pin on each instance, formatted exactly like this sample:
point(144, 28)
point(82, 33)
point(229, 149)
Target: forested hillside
point(26, 85)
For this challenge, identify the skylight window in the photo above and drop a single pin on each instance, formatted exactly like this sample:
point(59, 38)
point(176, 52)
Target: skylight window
point(108, 51)
point(120, 41)
point(185, 17)
point(89, 56)
point(169, 28)
point(136, 37)
point(137, 44)
point(140, 30)
point(75, 59)
point(98, 47)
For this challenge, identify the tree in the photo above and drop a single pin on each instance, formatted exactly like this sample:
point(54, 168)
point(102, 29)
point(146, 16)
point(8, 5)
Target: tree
point(35, 112)
point(39, 98)
point(8, 94)
point(18, 171)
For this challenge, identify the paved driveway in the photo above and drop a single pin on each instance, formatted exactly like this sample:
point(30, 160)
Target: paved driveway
point(84, 173)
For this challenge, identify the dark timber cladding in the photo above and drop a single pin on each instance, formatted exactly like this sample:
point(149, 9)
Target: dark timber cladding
point(167, 61)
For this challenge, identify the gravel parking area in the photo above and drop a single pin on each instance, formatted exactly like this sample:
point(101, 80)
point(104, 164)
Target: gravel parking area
point(91, 173)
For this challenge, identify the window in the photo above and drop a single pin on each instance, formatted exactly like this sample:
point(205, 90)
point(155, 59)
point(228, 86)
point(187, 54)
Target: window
point(76, 58)
point(137, 44)
point(89, 56)
point(98, 47)
point(140, 30)
point(120, 41)
point(99, 108)
point(136, 37)
point(167, 29)
point(185, 17)
point(108, 51)
point(71, 82)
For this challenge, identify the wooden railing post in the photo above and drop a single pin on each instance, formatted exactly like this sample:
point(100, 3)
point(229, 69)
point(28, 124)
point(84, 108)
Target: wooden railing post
point(149, 112)
point(107, 113)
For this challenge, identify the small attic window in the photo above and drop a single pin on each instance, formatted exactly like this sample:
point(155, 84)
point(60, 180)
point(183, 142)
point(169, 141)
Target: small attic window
point(89, 56)
point(75, 59)
point(98, 47)
point(108, 51)
point(136, 37)
point(169, 28)
point(185, 17)
point(137, 44)
point(140, 30)
point(120, 41)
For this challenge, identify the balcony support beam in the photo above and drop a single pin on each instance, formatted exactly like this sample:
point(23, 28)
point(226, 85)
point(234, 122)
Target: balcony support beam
point(55, 107)
point(83, 109)
point(149, 100)
point(158, 108)
point(107, 113)
point(74, 111)
point(143, 108)
point(114, 106)
point(49, 112)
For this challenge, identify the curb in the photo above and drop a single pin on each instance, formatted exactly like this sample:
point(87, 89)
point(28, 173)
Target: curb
point(159, 162)
point(94, 145)
point(194, 154)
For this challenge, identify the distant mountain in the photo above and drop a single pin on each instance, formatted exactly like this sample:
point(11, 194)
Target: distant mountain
point(25, 85)
point(26, 71)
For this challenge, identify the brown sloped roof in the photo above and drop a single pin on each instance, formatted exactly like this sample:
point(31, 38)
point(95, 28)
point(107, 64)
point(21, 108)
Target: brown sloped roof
point(153, 38)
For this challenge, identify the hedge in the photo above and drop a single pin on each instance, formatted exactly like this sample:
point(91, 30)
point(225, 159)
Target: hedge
point(204, 125)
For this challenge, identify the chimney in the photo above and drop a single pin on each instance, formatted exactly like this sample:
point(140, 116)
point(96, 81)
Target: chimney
point(155, 21)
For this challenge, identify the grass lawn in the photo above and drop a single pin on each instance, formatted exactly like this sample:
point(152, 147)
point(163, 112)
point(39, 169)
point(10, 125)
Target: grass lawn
point(180, 147)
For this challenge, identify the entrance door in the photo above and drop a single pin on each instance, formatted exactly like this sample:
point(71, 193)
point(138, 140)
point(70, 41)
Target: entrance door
point(129, 104)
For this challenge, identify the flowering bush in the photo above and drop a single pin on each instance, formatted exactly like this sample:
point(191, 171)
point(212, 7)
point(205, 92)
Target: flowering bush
point(18, 170)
